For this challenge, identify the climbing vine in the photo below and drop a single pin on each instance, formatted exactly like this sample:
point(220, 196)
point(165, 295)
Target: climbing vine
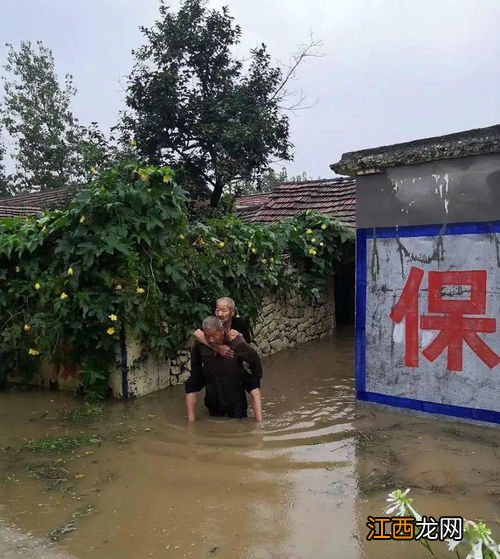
point(124, 260)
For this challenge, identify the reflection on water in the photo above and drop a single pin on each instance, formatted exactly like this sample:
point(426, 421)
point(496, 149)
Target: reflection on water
point(297, 487)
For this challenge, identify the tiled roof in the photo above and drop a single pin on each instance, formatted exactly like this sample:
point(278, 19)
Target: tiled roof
point(34, 203)
point(253, 200)
point(334, 197)
point(12, 211)
point(247, 206)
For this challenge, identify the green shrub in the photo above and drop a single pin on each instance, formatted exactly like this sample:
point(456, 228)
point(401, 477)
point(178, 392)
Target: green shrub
point(124, 258)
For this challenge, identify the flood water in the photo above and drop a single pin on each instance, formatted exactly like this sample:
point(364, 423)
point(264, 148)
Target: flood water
point(300, 486)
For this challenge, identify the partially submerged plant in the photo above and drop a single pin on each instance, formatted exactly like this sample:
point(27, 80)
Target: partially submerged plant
point(62, 444)
point(476, 535)
point(85, 414)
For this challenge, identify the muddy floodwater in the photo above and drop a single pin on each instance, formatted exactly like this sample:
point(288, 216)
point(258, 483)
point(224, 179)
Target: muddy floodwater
point(134, 481)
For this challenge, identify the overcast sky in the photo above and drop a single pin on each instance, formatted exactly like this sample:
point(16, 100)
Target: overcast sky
point(392, 70)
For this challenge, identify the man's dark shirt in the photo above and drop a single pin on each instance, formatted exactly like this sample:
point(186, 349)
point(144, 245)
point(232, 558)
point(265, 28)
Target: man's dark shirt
point(225, 380)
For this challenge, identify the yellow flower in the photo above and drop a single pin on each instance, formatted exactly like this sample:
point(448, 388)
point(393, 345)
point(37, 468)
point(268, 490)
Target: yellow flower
point(82, 219)
point(312, 251)
point(118, 287)
point(32, 351)
point(110, 331)
point(249, 245)
point(112, 317)
point(44, 229)
point(323, 226)
point(313, 240)
point(70, 271)
point(321, 244)
point(93, 170)
point(26, 327)
point(133, 143)
point(264, 261)
point(18, 269)
point(181, 237)
point(37, 286)
point(221, 245)
point(166, 179)
point(254, 250)
point(63, 296)
point(309, 231)
point(143, 174)
point(139, 291)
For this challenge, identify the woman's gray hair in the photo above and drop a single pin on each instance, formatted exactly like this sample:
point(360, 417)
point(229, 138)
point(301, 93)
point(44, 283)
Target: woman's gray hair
point(228, 301)
point(212, 323)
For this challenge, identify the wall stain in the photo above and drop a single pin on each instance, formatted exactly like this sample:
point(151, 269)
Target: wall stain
point(403, 252)
point(436, 256)
point(493, 238)
point(375, 262)
point(393, 325)
point(496, 240)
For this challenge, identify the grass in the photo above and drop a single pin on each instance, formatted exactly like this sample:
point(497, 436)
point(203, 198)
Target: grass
point(57, 534)
point(54, 473)
point(62, 444)
point(86, 414)
point(376, 482)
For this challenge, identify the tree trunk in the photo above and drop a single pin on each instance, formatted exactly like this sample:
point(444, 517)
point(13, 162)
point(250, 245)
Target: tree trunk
point(216, 195)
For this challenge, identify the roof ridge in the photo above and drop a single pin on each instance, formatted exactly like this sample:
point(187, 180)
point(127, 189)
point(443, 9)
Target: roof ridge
point(20, 207)
point(254, 194)
point(311, 181)
point(35, 192)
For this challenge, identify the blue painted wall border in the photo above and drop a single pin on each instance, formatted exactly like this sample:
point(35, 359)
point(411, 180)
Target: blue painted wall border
point(431, 407)
point(433, 230)
point(360, 316)
point(362, 235)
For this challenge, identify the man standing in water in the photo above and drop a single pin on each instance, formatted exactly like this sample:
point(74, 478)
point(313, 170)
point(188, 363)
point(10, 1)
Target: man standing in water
point(225, 379)
point(225, 310)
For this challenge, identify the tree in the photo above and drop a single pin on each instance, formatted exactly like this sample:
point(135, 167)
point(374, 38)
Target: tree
point(51, 148)
point(271, 180)
point(301, 178)
point(3, 174)
point(194, 105)
point(267, 182)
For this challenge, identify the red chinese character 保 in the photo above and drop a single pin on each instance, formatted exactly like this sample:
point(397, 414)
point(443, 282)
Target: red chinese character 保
point(454, 327)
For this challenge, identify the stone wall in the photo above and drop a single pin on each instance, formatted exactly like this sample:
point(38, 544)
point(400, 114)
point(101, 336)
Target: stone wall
point(287, 324)
point(282, 325)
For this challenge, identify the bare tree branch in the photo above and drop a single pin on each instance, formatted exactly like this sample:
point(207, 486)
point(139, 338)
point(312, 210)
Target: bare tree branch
point(305, 51)
point(298, 105)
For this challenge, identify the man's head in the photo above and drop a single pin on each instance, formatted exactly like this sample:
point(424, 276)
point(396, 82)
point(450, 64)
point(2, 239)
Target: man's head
point(225, 309)
point(213, 330)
